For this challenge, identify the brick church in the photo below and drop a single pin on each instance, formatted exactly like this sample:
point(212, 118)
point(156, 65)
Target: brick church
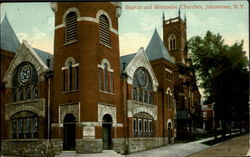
point(86, 97)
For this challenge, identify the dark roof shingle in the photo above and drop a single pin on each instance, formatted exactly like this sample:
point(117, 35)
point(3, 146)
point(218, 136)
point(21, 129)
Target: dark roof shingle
point(156, 49)
point(9, 40)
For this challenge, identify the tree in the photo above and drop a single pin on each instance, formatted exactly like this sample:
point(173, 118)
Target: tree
point(223, 74)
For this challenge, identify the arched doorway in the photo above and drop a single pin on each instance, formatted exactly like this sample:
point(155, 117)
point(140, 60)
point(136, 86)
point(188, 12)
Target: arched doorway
point(69, 129)
point(107, 128)
point(169, 132)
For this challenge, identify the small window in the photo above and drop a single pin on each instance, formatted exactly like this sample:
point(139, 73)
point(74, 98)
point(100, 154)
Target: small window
point(140, 127)
point(172, 42)
point(104, 33)
point(14, 128)
point(145, 127)
point(140, 95)
point(20, 128)
point(150, 98)
point(28, 94)
point(71, 27)
point(35, 92)
point(20, 94)
point(134, 127)
point(145, 97)
point(70, 75)
point(106, 77)
point(134, 94)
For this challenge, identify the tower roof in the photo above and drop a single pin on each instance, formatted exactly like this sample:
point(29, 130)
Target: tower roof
point(9, 40)
point(156, 49)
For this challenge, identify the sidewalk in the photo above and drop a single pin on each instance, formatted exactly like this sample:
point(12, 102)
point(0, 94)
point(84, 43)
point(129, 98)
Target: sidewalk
point(236, 147)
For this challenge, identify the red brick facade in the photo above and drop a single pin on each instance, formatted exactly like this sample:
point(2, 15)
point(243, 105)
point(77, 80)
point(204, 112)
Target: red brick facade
point(89, 98)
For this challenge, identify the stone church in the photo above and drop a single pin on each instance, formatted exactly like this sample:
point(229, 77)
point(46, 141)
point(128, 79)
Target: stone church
point(86, 97)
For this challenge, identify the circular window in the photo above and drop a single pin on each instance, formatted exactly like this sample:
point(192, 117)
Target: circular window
point(25, 74)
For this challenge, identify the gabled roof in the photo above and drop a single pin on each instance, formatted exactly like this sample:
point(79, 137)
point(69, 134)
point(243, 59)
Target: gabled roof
point(156, 49)
point(9, 40)
point(136, 60)
point(26, 53)
point(124, 60)
point(44, 56)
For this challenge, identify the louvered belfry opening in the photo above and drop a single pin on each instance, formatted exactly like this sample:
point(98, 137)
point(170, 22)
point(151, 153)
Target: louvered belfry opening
point(71, 27)
point(104, 33)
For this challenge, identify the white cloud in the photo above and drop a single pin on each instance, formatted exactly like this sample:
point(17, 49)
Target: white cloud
point(38, 39)
point(131, 42)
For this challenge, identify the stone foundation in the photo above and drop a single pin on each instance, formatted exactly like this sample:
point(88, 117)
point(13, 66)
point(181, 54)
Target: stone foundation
point(28, 148)
point(55, 147)
point(140, 144)
point(119, 145)
point(85, 146)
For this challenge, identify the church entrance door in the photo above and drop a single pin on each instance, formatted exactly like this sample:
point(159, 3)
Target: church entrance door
point(107, 135)
point(69, 128)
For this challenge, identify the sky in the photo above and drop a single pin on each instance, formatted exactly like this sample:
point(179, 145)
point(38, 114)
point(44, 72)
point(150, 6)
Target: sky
point(34, 22)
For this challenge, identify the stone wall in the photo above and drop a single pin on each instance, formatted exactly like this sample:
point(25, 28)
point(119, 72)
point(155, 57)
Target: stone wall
point(85, 146)
point(139, 144)
point(28, 148)
point(55, 147)
point(119, 145)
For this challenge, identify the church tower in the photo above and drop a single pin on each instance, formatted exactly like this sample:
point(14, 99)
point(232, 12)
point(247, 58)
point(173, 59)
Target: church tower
point(86, 76)
point(175, 37)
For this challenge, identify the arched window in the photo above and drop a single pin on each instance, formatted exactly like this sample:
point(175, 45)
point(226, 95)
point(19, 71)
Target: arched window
point(25, 76)
point(143, 83)
point(35, 92)
point(106, 77)
point(24, 125)
point(145, 97)
point(104, 32)
point(70, 27)
point(140, 96)
point(20, 94)
point(142, 125)
point(134, 94)
point(28, 93)
point(70, 75)
point(169, 98)
point(172, 42)
point(150, 99)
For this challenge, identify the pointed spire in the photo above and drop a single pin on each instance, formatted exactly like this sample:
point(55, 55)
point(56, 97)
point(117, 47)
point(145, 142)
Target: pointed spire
point(163, 17)
point(179, 12)
point(185, 18)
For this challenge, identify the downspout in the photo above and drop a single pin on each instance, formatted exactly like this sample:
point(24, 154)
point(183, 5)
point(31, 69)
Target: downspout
point(163, 115)
point(48, 115)
point(125, 90)
point(48, 75)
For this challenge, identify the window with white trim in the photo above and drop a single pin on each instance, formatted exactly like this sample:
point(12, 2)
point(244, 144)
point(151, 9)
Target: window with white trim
point(142, 125)
point(142, 90)
point(70, 75)
point(106, 77)
point(24, 125)
point(70, 27)
point(24, 83)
